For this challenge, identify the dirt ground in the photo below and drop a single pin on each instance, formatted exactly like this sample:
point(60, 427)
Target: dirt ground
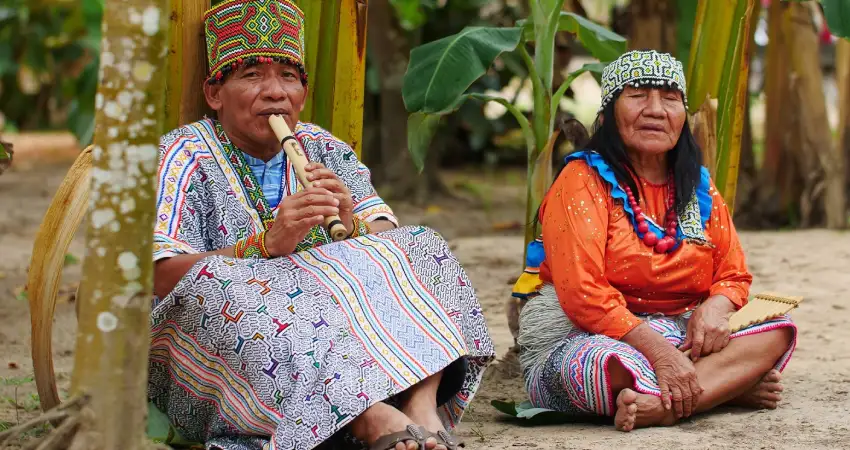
point(484, 233)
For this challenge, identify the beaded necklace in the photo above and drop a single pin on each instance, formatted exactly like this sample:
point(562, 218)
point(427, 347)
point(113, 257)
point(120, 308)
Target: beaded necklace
point(665, 244)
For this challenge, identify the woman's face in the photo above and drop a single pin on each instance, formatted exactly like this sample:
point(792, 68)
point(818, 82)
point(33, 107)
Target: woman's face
point(650, 120)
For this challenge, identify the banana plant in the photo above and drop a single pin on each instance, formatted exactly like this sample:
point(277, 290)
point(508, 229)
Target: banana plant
point(440, 74)
point(718, 69)
point(837, 13)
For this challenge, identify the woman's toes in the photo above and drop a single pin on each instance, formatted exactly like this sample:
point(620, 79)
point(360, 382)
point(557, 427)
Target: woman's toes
point(773, 376)
point(771, 387)
point(624, 419)
point(769, 404)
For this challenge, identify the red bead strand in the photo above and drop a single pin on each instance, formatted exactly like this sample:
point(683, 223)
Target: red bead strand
point(666, 243)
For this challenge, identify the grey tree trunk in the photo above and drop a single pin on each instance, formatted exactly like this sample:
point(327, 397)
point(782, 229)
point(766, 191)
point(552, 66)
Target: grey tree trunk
point(111, 357)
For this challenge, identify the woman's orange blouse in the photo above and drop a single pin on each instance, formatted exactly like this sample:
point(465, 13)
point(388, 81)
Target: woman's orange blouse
point(604, 274)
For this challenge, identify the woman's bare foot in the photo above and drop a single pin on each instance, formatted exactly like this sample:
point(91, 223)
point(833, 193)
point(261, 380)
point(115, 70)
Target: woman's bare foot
point(766, 394)
point(382, 419)
point(640, 410)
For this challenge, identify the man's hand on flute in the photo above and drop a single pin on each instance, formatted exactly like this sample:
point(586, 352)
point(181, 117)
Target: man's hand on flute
point(298, 214)
point(325, 178)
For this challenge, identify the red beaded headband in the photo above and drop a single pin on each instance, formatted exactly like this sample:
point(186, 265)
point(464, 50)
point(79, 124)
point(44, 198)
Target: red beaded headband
point(253, 32)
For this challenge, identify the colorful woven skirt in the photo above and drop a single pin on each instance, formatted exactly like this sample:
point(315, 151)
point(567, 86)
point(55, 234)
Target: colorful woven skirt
point(284, 353)
point(570, 374)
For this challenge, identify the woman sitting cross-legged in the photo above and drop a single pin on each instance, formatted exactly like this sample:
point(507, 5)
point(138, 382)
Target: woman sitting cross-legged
point(642, 262)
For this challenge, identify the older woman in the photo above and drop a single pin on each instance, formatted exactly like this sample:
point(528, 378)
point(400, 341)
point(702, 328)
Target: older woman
point(641, 261)
point(265, 334)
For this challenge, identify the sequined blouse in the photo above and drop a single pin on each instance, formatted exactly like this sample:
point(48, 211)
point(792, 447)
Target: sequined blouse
point(604, 274)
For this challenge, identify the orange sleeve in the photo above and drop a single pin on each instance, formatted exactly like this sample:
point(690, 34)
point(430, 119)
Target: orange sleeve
point(575, 234)
point(731, 277)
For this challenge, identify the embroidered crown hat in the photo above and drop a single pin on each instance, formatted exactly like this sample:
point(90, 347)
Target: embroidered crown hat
point(640, 68)
point(253, 31)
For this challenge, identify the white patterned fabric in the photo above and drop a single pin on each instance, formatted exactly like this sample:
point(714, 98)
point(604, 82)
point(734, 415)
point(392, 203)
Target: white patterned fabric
point(640, 68)
point(283, 353)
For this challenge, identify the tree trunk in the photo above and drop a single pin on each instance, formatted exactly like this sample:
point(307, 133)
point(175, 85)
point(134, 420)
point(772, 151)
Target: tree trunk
point(816, 135)
point(398, 177)
point(652, 25)
point(842, 75)
point(113, 338)
point(773, 199)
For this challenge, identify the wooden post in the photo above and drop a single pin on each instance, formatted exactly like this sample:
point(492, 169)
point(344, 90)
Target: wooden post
point(187, 64)
point(336, 64)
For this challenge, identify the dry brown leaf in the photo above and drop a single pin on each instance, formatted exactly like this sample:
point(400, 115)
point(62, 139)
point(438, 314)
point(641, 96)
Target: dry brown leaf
point(6, 154)
point(506, 226)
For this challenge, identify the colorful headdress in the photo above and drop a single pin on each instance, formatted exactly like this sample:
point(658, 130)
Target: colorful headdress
point(641, 68)
point(254, 31)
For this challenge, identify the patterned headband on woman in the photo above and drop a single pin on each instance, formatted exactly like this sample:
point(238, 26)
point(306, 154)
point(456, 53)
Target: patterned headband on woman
point(639, 68)
point(254, 31)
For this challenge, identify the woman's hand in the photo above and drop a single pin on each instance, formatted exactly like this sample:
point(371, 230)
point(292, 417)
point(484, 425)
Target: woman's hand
point(677, 376)
point(708, 329)
point(298, 213)
point(677, 379)
point(325, 178)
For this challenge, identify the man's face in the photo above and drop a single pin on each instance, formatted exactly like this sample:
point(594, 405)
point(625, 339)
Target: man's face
point(250, 95)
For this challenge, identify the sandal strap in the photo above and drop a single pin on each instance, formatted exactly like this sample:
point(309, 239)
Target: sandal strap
point(450, 441)
point(389, 441)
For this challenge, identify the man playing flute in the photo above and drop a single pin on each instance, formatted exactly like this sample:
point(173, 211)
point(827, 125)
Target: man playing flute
point(266, 334)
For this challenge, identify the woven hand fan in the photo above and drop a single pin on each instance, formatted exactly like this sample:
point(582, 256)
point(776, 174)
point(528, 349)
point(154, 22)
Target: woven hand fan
point(760, 309)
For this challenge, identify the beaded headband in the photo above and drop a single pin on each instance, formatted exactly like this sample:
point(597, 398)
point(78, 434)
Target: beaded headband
point(639, 68)
point(253, 31)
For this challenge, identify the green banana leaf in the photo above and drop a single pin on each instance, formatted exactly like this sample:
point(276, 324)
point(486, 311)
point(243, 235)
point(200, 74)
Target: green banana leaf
point(837, 14)
point(441, 71)
point(542, 416)
point(420, 130)
point(602, 43)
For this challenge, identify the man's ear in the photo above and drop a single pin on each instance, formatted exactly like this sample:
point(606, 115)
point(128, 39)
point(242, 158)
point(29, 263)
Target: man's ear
point(212, 94)
point(304, 102)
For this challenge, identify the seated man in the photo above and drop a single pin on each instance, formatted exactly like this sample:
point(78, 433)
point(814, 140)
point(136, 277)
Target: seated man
point(265, 334)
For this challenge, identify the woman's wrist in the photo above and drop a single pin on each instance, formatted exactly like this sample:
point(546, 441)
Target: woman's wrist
point(649, 343)
point(722, 303)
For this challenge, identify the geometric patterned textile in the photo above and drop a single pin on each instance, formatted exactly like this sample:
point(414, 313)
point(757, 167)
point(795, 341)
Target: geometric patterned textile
point(251, 30)
point(574, 379)
point(283, 353)
point(641, 68)
point(203, 202)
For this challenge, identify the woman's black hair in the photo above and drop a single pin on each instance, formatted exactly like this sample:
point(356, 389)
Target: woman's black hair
point(685, 158)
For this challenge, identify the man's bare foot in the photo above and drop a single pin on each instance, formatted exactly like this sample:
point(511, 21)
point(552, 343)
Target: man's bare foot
point(426, 416)
point(382, 419)
point(640, 410)
point(766, 394)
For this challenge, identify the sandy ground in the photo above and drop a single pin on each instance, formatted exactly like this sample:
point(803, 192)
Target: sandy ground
point(485, 237)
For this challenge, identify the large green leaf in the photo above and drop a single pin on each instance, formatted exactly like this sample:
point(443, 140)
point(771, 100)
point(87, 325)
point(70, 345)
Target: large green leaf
point(422, 126)
point(440, 72)
point(420, 130)
point(604, 44)
point(837, 14)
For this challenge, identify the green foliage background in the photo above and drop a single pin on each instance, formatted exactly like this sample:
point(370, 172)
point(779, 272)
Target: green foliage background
point(48, 64)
